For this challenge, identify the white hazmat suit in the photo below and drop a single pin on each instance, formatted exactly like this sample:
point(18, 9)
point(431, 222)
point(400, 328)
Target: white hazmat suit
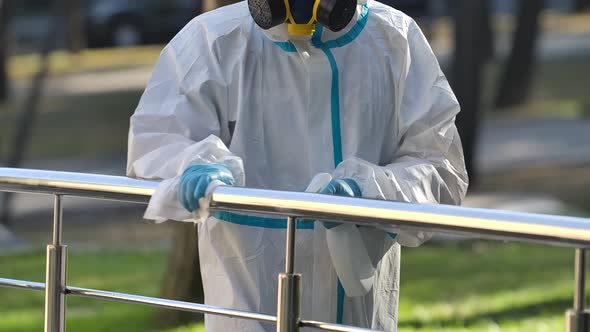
point(368, 103)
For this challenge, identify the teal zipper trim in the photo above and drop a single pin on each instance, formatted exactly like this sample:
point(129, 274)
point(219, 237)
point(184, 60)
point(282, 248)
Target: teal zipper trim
point(335, 106)
point(271, 223)
point(345, 39)
point(354, 32)
point(335, 110)
point(286, 46)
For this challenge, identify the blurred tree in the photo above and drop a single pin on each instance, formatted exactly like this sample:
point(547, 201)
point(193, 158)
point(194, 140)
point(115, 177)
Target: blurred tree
point(212, 4)
point(4, 81)
point(473, 46)
point(26, 117)
point(581, 5)
point(182, 281)
point(74, 28)
point(515, 83)
point(487, 30)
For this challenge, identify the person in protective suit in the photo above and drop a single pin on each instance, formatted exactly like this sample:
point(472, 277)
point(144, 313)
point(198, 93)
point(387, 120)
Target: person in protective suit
point(333, 96)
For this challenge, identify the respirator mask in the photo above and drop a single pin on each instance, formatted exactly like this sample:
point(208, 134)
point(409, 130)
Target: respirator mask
point(301, 16)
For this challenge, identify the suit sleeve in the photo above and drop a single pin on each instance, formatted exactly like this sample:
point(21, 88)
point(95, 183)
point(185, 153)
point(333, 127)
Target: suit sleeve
point(428, 166)
point(181, 120)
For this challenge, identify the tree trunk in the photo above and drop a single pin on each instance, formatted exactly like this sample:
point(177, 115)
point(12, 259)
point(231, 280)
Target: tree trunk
point(470, 54)
point(75, 29)
point(4, 80)
point(214, 4)
point(487, 30)
point(518, 73)
point(26, 117)
point(581, 5)
point(182, 281)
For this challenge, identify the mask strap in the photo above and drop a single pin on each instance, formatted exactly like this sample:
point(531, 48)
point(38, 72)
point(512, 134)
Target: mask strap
point(288, 7)
point(315, 12)
point(305, 28)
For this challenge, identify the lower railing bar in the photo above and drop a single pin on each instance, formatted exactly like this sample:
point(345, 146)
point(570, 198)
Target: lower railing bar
point(162, 303)
point(21, 284)
point(331, 327)
point(168, 304)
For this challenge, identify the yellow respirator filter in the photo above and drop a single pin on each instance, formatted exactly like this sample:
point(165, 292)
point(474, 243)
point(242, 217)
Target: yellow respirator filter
point(299, 29)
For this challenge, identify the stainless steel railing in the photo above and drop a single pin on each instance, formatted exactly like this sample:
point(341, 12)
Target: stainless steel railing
point(544, 229)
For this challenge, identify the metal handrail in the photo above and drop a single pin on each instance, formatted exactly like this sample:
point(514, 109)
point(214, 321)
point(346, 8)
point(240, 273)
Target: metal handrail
point(502, 225)
point(544, 229)
point(96, 186)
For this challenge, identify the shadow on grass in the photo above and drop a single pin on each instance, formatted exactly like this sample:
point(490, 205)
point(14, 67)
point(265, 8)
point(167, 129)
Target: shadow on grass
point(490, 268)
point(515, 313)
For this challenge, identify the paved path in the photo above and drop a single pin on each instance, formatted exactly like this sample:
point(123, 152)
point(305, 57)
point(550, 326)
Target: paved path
point(129, 79)
point(510, 143)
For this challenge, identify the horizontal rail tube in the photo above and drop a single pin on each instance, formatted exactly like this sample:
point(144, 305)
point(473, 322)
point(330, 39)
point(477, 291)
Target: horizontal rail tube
point(169, 304)
point(331, 327)
point(21, 284)
point(77, 184)
point(151, 301)
point(545, 229)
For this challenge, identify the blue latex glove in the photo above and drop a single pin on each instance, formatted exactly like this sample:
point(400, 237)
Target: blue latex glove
point(341, 187)
point(195, 180)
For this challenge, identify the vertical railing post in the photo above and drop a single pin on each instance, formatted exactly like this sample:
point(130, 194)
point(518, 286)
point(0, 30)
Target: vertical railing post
point(55, 285)
point(578, 319)
point(289, 290)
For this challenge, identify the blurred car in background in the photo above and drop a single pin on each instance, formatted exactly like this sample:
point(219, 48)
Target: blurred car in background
point(115, 23)
point(122, 23)
point(414, 8)
point(107, 23)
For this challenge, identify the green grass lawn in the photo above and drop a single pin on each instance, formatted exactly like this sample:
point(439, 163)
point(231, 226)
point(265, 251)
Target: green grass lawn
point(136, 272)
point(485, 286)
point(465, 286)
